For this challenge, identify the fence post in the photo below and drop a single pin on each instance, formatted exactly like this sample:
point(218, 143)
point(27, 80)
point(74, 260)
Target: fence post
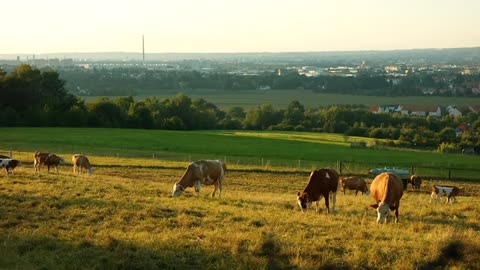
point(262, 162)
point(153, 155)
point(339, 166)
point(299, 164)
point(449, 174)
point(11, 153)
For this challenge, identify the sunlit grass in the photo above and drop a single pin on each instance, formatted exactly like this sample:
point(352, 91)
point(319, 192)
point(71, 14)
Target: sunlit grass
point(124, 217)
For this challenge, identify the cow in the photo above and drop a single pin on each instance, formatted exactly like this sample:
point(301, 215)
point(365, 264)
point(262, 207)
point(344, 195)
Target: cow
point(354, 183)
point(9, 164)
point(47, 159)
point(322, 182)
point(81, 162)
point(415, 181)
point(387, 190)
point(3, 156)
point(448, 191)
point(206, 172)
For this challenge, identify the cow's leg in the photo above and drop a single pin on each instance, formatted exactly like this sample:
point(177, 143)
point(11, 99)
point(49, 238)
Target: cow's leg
point(197, 187)
point(56, 168)
point(396, 213)
point(327, 204)
point(317, 206)
point(215, 187)
point(356, 192)
point(334, 200)
point(220, 186)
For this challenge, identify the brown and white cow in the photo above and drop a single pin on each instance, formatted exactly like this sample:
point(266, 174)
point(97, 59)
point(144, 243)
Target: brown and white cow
point(47, 159)
point(354, 183)
point(323, 182)
point(81, 162)
point(206, 172)
point(450, 192)
point(387, 190)
point(9, 164)
point(415, 181)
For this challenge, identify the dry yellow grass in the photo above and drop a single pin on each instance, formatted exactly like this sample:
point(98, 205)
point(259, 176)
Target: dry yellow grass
point(125, 218)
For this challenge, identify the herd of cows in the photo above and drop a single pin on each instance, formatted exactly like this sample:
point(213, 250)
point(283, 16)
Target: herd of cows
point(386, 188)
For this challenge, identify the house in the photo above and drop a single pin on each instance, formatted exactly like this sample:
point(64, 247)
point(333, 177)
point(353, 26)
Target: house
point(453, 111)
point(421, 110)
point(462, 128)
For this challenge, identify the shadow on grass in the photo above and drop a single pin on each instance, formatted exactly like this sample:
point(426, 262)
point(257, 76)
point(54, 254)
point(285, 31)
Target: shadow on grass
point(49, 253)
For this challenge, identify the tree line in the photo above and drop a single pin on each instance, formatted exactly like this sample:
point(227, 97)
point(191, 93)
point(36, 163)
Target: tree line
point(30, 97)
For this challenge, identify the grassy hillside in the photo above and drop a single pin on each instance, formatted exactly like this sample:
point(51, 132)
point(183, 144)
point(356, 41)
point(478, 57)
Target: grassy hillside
point(281, 98)
point(124, 218)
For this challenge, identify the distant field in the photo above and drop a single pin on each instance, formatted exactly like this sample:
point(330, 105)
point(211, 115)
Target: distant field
point(281, 98)
point(294, 151)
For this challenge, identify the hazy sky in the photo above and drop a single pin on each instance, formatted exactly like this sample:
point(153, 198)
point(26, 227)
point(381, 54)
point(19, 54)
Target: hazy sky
point(47, 26)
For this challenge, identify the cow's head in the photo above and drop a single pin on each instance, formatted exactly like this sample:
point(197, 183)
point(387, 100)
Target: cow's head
point(177, 190)
point(303, 201)
point(383, 210)
point(61, 161)
point(91, 170)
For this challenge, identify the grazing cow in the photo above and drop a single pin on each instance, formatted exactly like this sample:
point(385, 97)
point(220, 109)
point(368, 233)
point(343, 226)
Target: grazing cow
point(387, 190)
point(415, 181)
point(81, 162)
point(47, 159)
point(9, 164)
point(448, 191)
point(323, 182)
point(354, 183)
point(207, 172)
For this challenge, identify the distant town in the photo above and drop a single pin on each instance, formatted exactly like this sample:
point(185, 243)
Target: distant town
point(447, 72)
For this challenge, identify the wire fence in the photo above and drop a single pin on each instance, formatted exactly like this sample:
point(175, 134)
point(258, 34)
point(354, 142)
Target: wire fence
point(135, 157)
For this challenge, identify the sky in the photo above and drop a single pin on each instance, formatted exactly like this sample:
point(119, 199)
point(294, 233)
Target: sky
point(60, 26)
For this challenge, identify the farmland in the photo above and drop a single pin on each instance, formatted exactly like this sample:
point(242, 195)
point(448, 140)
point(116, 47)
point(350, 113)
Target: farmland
point(281, 98)
point(124, 217)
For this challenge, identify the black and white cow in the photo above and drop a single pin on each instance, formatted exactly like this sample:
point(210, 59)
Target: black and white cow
point(9, 164)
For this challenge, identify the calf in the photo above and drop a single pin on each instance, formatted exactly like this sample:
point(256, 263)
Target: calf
point(448, 191)
point(387, 190)
point(47, 159)
point(354, 183)
point(81, 162)
point(323, 182)
point(9, 164)
point(207, 172)
point(415, 181)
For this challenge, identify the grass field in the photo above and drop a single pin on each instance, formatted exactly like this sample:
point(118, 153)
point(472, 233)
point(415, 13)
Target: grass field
point(281, 98)
point(124, 218)
point(297, 151)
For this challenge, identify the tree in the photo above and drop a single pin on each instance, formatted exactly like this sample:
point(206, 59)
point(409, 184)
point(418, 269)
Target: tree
point(447, 135)
point(261, 117)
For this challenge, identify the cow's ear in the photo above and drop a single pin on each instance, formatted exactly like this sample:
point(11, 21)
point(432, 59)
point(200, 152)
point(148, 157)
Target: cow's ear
point(298, 194)
point(374, 206)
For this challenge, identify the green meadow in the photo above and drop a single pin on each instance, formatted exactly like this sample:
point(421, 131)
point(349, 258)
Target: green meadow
point(300, 151)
